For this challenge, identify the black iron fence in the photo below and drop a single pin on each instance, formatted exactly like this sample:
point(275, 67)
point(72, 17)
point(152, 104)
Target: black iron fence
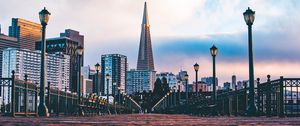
point(279, 97)
point(19, 97)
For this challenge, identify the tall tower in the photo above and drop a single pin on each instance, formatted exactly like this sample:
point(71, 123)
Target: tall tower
point(145, 57)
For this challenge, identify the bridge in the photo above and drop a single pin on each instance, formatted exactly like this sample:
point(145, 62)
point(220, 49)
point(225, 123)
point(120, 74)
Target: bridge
point(273, 99)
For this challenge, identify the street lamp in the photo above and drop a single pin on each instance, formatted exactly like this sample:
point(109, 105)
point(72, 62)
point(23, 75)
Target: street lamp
point(214, 52)
point(96, 88)
point(196, 67)
point(44, 18)
point(107, 91)
point(79, 52)
point(186, 77)
point(249, 17)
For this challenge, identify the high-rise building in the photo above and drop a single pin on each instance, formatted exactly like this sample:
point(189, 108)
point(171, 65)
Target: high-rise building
point(24, 61)
point(6, 42)
point(65, 46)
point(145, 56)
point(138, 81)
point(74, 36)
point(233, 82)
point(26, 32)
point(116, 66)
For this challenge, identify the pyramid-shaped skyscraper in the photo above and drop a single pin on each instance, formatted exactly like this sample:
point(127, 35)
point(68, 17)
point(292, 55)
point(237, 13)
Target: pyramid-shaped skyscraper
point(145, 57)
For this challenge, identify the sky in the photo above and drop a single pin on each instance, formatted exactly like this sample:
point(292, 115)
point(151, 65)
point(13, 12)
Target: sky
point(182, 32)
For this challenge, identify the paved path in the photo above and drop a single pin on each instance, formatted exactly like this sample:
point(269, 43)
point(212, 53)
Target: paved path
point(148, 119)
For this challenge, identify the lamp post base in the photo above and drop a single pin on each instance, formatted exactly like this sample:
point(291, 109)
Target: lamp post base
point(251, 110)
point(43, 110)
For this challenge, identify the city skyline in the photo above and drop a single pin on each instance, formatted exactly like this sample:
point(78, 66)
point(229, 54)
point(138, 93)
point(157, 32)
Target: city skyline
point(182, 36)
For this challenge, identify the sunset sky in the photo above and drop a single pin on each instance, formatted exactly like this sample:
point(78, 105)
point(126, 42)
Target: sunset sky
point(182, 32)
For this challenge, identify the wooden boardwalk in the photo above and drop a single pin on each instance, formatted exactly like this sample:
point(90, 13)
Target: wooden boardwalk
point(148, 120)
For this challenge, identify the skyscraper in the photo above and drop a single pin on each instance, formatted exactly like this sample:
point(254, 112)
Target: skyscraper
point(6, 42)
point(65, 46)
point(26, 32)
point(24, 61)
point(145, 57)
point(139, 81)
point(116, 66)
point(233, 82)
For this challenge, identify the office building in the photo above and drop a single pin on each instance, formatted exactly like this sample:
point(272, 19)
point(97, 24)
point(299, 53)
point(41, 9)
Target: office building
point(209, 80)
point(74, 36)
point(116, 66)
point(65, 46)
point(233, 82)
point(26, 32)
point(6, 42)
point(145, 56)
point(138, 81)
point(171, 78)
point(24, 61)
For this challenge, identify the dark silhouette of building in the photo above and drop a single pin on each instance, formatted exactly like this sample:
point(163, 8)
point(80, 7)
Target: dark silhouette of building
point(66, 46)
point(26, 32)
point(145, 57)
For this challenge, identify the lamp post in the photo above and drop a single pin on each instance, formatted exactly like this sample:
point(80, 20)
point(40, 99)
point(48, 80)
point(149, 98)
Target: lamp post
point(79, 52)
point(107, 87)
point(214, 52)
point(186, 77)
point(196, 67)
point(44, 18)
point(96, 88)
point(249, 17)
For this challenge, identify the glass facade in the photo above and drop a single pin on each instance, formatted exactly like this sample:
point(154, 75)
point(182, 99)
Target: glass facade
point(24, 61)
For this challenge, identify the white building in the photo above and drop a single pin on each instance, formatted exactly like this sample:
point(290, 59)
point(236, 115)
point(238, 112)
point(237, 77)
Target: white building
point(139, 81)
point(24, 61)
point(171, 78)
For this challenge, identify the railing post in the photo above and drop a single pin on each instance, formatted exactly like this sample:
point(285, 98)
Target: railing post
point(259, 102)
point(281, 104)
point(58, 102)
point(48, 98)
point(268, 97)
point(36, 99)
point(26, 95)
point(66, 101)
point(13, 94)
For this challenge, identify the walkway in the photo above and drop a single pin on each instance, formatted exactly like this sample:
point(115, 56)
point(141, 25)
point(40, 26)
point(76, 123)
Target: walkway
point(149, 119)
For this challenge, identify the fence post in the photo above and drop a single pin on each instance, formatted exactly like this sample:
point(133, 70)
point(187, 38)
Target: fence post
point(281, 109)
point(259, 102)
point(36, 99)
point(48, 98)
point(58, 103)
point(13, 94)
point(66, 101)
point(268, 97)
point(26, 95)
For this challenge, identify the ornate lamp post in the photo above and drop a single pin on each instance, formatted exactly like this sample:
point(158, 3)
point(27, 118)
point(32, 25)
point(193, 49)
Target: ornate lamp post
point(214, 52)
point(44, 18)
point(196, 67)
point(186, 77)
point(107, 87)
point(96, 88)
point(79, 52)
point(249, 17)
